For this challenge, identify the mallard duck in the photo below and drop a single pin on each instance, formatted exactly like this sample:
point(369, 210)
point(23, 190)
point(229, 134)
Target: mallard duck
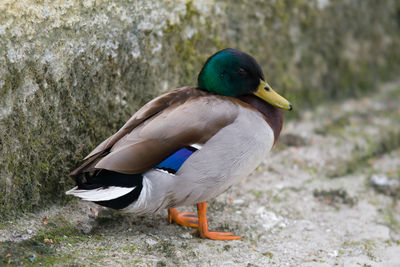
point(187, 146)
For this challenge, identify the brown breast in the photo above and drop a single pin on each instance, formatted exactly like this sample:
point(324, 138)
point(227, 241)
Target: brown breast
point(272, 115)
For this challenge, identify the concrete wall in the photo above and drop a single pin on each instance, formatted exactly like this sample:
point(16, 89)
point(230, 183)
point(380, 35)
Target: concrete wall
point(72, 73)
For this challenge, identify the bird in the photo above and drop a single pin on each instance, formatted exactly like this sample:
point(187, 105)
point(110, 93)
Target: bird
point(187, 146)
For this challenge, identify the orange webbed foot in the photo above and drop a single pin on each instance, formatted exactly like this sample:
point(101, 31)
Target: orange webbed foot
point(217, 235)
point(202, 230)
point(185, 218)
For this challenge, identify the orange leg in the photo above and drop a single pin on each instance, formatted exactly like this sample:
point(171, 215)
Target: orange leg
point(185, 218)
point(202, 230)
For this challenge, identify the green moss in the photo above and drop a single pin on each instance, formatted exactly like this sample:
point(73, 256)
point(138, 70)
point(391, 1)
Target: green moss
point(191, 52)
point(366, 244)
point(391, 219)
point(277, 198)
point(268, 254)
point(166, 248)
point(43, 247)
point(129, 249)
point(334, 197)
point(257, 193)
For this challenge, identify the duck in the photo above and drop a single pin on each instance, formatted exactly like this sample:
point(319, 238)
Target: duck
point(187, 146)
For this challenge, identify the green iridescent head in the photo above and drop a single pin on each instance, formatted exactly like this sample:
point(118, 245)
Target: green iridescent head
point(231, 72)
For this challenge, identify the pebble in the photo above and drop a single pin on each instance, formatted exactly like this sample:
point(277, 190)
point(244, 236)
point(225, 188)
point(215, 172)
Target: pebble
point(238, 201)
point(334, 253)
point(187, 236)
point(151, 242)
point(382, 180)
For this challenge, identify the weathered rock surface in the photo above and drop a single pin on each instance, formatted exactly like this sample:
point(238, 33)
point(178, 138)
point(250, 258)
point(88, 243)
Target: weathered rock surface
point(71, 73)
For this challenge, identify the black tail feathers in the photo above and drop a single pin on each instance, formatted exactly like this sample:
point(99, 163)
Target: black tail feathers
point(106, 178)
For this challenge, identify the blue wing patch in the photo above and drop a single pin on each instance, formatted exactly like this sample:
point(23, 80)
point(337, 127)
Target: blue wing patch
point(175, 161)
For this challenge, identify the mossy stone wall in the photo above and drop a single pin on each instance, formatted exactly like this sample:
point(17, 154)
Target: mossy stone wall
point(72, 73)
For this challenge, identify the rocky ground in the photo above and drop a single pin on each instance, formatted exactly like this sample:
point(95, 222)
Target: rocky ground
point(327, 195)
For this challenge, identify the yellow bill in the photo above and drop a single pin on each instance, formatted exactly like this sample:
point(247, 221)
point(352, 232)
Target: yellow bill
point(265, 92)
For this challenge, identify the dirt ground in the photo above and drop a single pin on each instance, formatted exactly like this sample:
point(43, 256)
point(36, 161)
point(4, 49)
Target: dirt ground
point(327, 195)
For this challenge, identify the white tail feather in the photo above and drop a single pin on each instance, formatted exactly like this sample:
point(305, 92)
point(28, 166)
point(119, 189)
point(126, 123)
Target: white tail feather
point(100, 194)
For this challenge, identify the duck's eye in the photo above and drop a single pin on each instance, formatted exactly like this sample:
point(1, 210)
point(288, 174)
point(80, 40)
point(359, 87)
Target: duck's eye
point(241, 71)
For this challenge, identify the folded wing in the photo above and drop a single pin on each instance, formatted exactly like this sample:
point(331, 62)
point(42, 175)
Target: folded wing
point(163, 126)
